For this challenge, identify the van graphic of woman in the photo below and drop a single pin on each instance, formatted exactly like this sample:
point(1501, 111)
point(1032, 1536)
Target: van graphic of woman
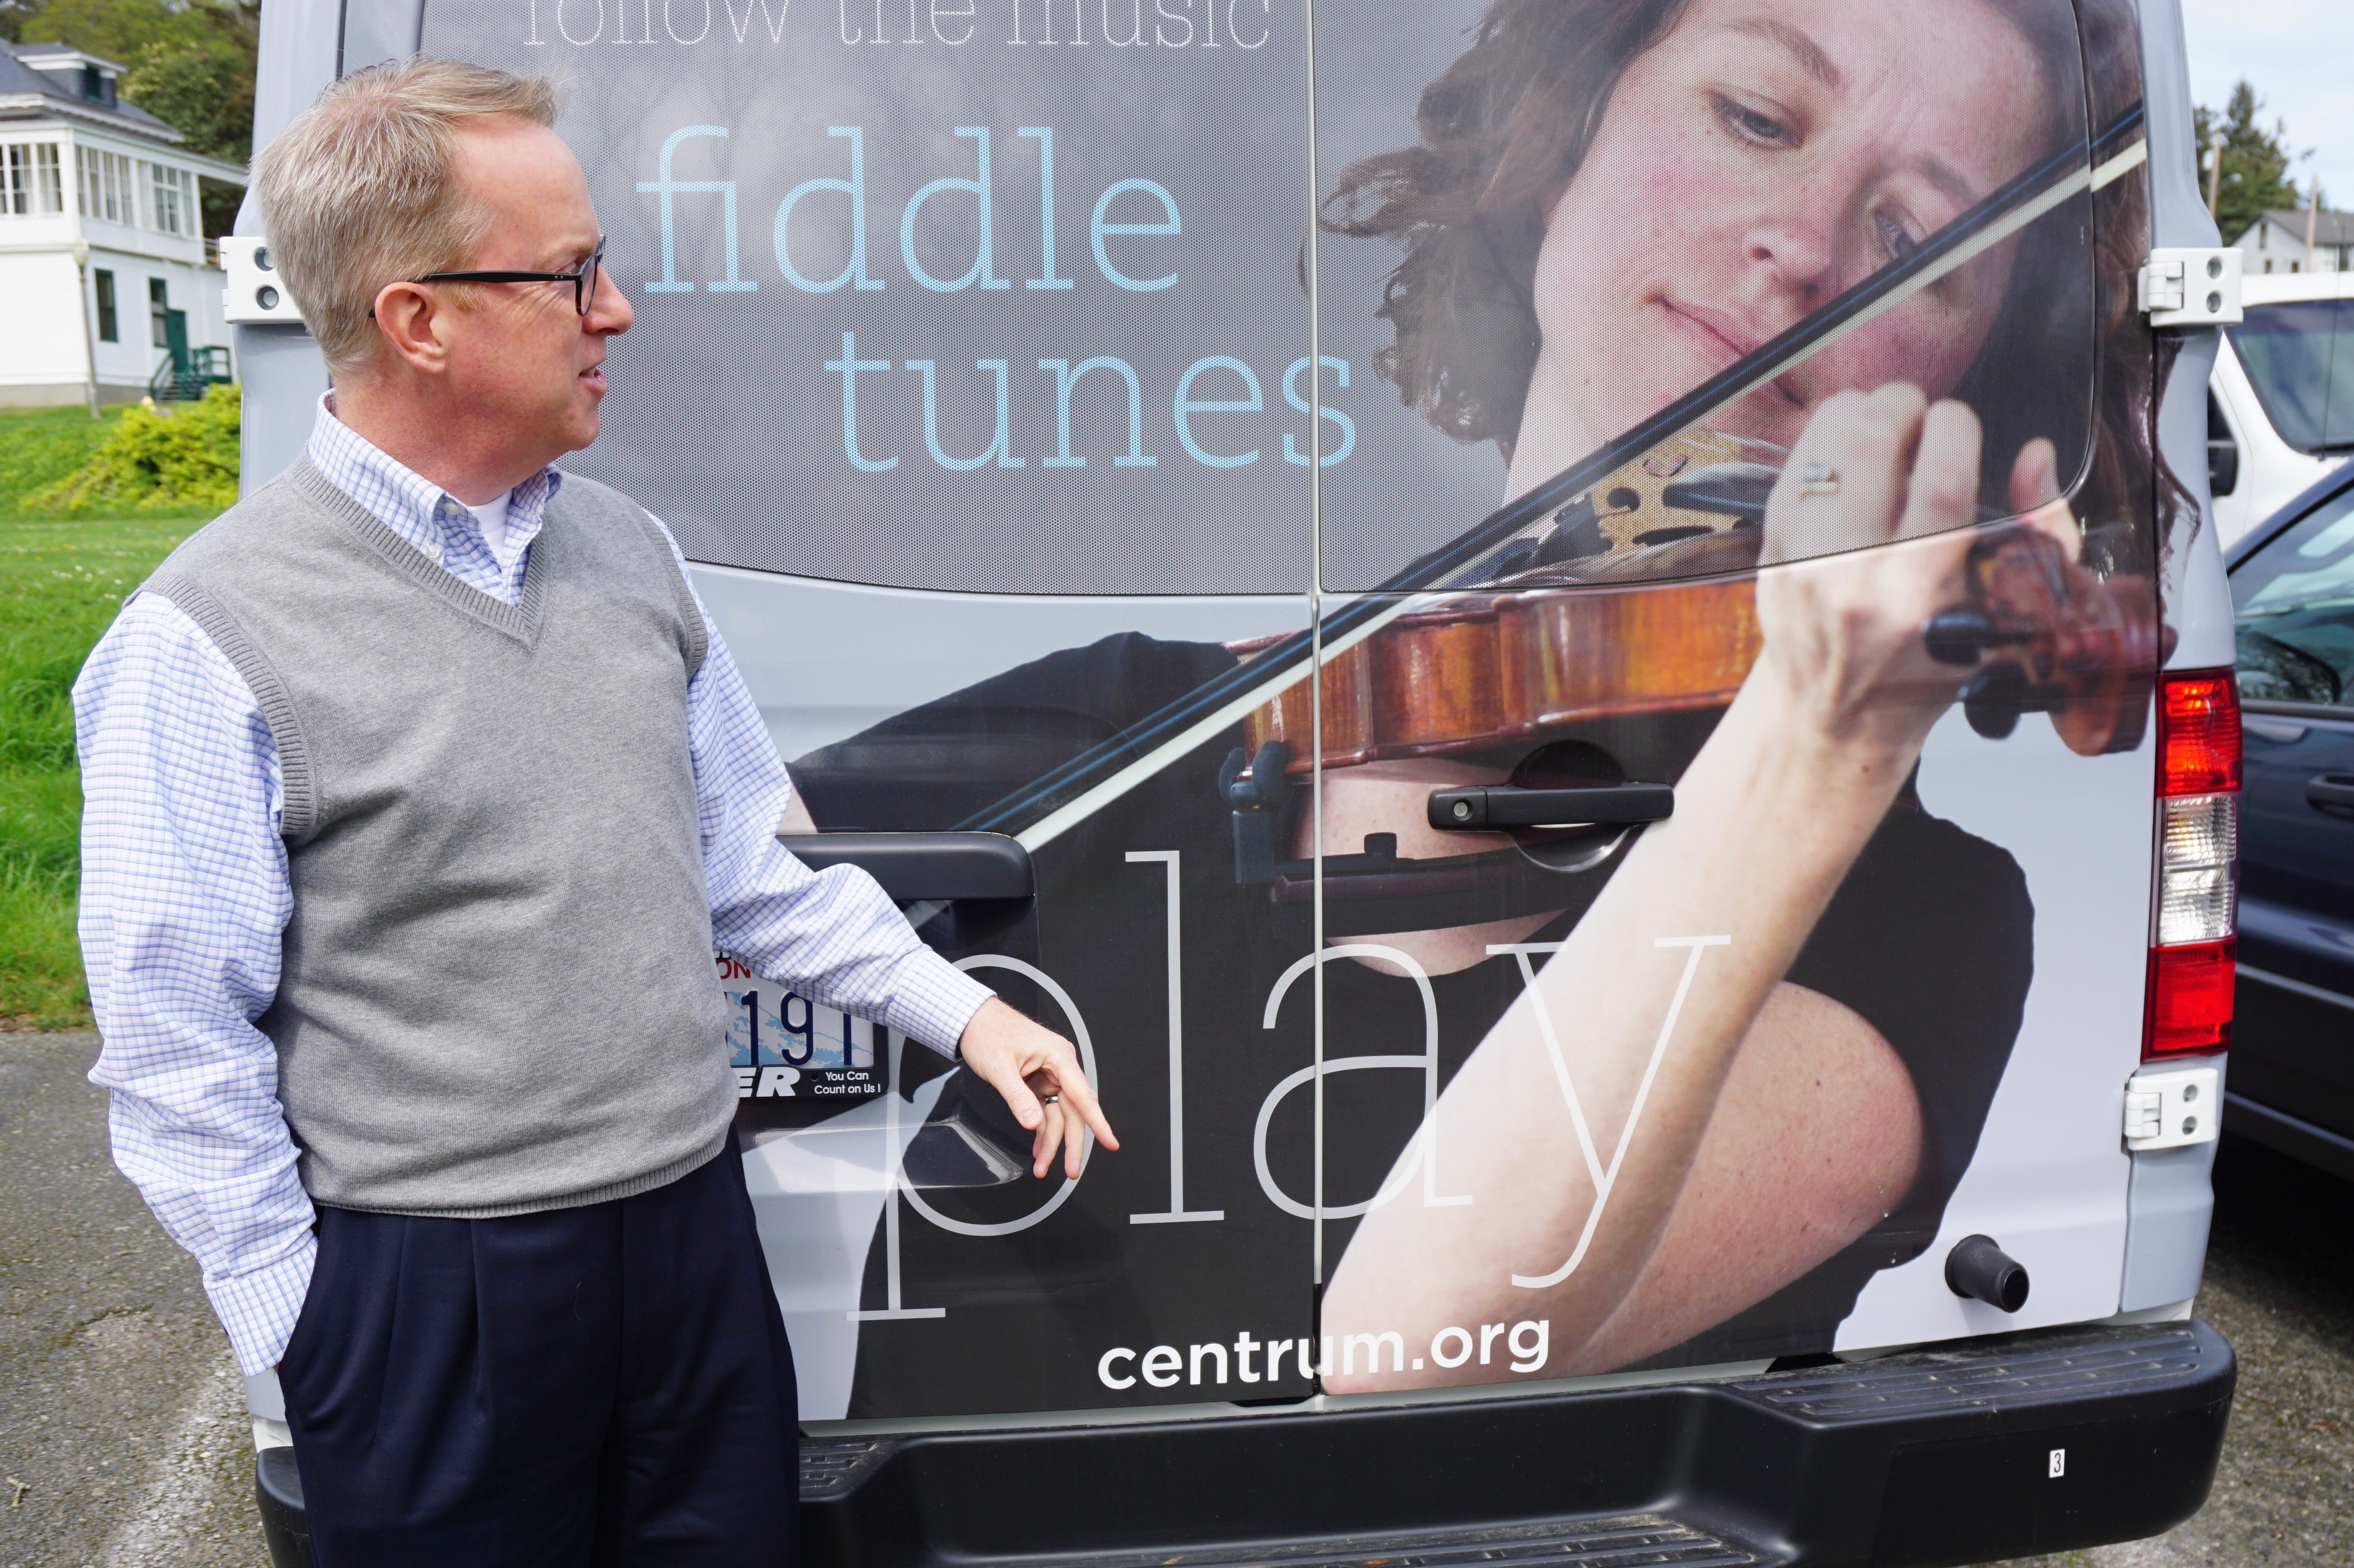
point(1610, 201)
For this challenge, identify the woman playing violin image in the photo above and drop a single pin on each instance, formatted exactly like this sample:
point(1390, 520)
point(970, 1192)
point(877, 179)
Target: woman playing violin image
point(1611, 201)
point(1610, 204)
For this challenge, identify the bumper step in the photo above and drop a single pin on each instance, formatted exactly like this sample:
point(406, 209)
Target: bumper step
point(1971, 1452)
point(1974, 1451)
point(2034, 1371)
point(1636, 1541)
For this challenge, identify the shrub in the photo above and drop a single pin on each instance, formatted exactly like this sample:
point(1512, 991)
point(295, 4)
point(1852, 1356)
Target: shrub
point(39, 446)
point(156, 462)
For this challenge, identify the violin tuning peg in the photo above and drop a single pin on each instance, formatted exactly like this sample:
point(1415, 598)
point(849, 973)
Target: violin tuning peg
point(1994, 699)
point(1267, 766)
point(1261, 807)
point(1958, 636)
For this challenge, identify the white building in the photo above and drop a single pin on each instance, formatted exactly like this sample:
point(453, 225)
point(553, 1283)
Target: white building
point(2276, 243)
point(80, 169)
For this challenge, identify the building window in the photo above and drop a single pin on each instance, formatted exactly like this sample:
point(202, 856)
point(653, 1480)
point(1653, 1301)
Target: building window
point(107, 191)
point(109, 329)
point(171, 203)
point(29, 185)
point(159, 305)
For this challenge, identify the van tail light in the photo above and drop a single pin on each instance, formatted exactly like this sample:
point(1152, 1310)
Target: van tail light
point(2191, 959)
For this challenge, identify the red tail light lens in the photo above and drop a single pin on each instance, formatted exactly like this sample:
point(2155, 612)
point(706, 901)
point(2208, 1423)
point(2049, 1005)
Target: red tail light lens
point(2191, 977)
point(2190, 998)
point(2199, 734)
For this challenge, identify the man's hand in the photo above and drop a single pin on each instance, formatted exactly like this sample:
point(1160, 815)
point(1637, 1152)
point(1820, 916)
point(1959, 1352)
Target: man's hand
point(1038, 1072)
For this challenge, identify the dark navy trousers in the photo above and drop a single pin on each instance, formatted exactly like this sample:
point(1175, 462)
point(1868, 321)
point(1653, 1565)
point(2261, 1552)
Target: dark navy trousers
point(578, 1388)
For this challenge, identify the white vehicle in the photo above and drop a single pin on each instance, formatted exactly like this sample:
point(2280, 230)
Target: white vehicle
point(2281, 408)
point(1293, 536)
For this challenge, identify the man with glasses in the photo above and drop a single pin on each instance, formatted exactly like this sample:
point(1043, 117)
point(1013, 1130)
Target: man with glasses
point(419, 791)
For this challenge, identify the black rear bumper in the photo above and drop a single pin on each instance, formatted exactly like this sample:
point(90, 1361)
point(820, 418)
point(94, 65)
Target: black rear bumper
point(1937, 1456)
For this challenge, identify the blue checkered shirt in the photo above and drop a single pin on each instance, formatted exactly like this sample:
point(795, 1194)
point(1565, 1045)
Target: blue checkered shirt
point(185, 897)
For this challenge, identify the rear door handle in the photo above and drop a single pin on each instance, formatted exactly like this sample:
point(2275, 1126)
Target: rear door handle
point(925, 867)
point(2330, 792)
point(1508, 806)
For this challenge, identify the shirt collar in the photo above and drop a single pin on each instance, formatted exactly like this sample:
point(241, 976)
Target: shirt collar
point(407, 501)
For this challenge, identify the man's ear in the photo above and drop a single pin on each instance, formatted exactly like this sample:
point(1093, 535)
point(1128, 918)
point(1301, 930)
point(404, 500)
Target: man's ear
point(412, 323)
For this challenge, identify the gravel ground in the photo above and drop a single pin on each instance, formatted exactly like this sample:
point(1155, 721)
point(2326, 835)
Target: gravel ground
point(123, 1441)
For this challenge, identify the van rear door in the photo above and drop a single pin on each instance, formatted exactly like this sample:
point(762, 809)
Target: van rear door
point(1551, 841)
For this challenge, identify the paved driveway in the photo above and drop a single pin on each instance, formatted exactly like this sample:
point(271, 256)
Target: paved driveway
point(2280, 1286)
point(122, 1432)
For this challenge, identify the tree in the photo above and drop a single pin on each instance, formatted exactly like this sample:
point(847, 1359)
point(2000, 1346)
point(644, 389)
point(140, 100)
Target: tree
point(14, 15)
point(191, 67)
point(204, 91)
point(2255, 163)
point(116, 29)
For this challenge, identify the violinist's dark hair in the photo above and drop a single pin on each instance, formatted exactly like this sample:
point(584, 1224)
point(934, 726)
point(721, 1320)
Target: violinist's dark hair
point(1505, 127)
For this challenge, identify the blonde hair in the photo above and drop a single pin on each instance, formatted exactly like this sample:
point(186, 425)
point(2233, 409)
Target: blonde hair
point(357, 192)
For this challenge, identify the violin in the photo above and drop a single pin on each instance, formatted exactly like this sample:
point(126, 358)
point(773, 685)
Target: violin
point(1639, 604)
point(1661, 618)
point(1576, 629)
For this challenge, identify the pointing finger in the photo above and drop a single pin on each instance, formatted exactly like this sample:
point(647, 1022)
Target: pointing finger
point(1079, 1096)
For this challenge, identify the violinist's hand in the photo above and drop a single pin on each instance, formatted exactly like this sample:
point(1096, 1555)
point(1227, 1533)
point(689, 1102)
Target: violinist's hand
point(1843, 622)
point(2035, 495)
point(1038, 1072)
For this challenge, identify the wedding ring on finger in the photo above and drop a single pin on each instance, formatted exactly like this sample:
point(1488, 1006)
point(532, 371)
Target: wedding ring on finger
point(1819, 479)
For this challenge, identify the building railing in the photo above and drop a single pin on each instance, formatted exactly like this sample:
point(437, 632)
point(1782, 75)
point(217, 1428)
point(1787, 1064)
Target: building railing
point(179, 380)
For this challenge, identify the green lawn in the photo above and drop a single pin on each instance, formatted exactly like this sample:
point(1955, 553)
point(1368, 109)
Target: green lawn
point(40, 446)
point(60, 584)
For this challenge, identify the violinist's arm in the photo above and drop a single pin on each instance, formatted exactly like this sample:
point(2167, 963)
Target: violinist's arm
point(1733, 1184)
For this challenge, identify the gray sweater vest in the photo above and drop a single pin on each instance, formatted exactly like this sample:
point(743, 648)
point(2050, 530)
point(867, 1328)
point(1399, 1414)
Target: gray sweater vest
point(497, 993)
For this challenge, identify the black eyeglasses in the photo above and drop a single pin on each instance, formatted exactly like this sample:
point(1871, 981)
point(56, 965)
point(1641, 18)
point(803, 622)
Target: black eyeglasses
point(583, 280)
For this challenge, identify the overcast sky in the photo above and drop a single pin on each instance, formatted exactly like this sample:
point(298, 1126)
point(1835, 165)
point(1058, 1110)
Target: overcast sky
point(2300, 55)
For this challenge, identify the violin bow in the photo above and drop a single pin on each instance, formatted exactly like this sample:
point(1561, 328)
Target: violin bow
point(1050, 805)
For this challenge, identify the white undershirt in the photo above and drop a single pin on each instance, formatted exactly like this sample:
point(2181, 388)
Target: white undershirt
point(491, 516)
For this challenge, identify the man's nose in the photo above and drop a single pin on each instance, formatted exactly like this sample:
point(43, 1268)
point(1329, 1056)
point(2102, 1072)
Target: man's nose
point(609, 310)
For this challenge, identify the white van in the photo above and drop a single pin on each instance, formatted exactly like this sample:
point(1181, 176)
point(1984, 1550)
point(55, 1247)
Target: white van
point(2281, 408)
point(1662, 947)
